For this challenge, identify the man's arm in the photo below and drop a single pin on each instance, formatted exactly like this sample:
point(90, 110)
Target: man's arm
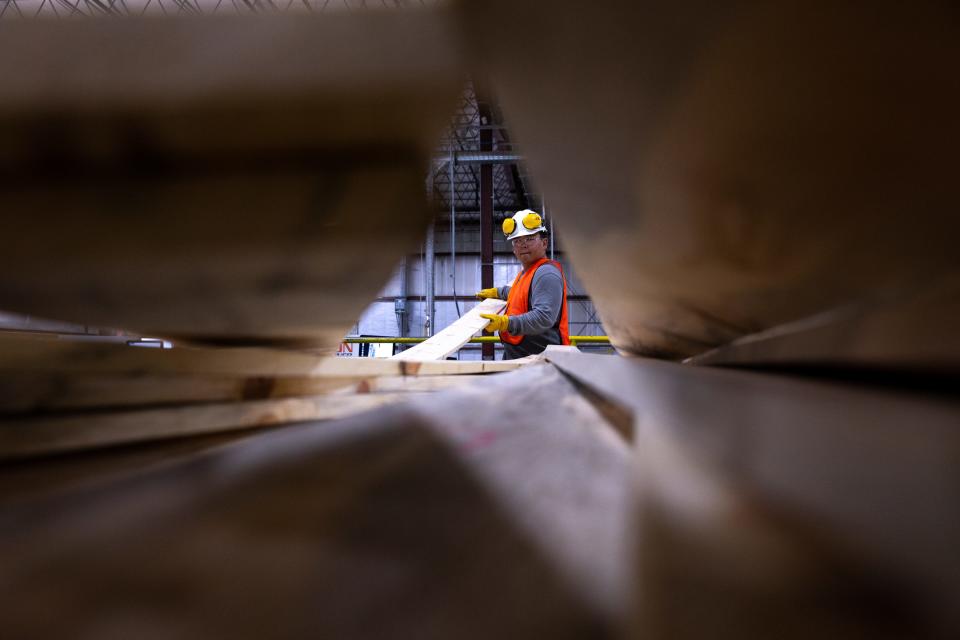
point(546, 291)
point(503, 292)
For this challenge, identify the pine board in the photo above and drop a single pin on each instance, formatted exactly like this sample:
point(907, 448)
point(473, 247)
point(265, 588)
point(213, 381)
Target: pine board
point(215, 198)
point(765, 495)
point(454, 336)
point(746, 165)
point(20, 354)
point(467, 528)
point(54, 434)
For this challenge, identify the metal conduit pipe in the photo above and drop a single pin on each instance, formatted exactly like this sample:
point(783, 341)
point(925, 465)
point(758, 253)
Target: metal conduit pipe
point(428, 282)
point(474, 216)
point(549, 227)
point(400, 304)
point(453, 229)
point(481, 157)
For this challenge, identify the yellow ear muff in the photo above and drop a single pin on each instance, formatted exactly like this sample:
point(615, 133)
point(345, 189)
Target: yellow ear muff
point(531, 221)
point(508, 226)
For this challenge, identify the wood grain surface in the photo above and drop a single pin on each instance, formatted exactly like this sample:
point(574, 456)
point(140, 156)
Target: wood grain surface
point(224, 195)
point(774, 505)
point(394, 524)
point(449, 340)
point(719, 169)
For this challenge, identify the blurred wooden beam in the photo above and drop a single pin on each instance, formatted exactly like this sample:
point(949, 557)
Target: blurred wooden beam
point(50, 355)
point(470, 529)
point(43, 435)
point(909, 330)
point(728, 168)
point(221, 178)
point(765, 496)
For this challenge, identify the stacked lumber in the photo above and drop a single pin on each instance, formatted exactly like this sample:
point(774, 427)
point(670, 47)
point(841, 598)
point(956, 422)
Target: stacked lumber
point(768, 185)
point(772, 506)
point(223, 177)
point(718, 170)
point(776, 181)
point(58, 396)
point(390, 524)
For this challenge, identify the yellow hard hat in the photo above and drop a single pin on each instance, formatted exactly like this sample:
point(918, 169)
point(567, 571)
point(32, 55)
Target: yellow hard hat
point(523, 223)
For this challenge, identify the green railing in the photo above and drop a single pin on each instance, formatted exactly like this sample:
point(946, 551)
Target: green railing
point(574, 340)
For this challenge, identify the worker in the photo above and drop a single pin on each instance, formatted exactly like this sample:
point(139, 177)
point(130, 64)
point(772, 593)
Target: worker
point(536, 313)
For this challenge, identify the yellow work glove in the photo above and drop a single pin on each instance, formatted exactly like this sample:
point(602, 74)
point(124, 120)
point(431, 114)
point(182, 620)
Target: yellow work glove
point(497, 323)
point(487, 293)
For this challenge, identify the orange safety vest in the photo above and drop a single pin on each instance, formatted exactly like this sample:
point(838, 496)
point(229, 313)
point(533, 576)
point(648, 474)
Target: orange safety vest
point(519, 300)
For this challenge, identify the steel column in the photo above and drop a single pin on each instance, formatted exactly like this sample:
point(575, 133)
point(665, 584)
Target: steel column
point(486, 206)
point(428, 319)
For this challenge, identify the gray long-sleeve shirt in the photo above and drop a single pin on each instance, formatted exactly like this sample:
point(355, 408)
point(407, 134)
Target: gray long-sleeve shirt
point(540, 326)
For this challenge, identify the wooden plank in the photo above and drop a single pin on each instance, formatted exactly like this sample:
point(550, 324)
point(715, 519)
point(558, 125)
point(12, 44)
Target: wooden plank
point(909, 330)
point(471, 530)
point(45, 435)
point(247, 166)
point(764, 496)
point(40, 479)
point(192, 73)
point(746, 166)
point(45, 355)
point(25, 393)
point(46, 392)
point(410, 384)
point(454, 336)
point(558, 469)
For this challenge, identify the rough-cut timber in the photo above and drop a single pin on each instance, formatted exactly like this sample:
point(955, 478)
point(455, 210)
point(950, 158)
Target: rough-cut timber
point(42, 435)
point(219, 178)
point(777, 506)
point(395, 524)
point(717, 169)
point(46, 355)
point(911, 329)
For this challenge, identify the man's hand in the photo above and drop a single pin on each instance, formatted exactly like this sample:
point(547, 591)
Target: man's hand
point(487, 293)
point(497, 323)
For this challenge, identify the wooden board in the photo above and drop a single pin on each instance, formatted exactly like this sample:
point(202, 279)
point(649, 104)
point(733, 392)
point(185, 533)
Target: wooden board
point(468, 530)
point(217, 197)
point(564, 476)
point(765, 496)
point(18, 354)
point(910, 330)
point(26, 393)
point(42, 435)
point(744, 166)
point(33, 480)
point(451, 338)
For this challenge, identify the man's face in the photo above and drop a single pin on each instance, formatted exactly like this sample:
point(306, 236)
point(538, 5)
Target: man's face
point(529, 249)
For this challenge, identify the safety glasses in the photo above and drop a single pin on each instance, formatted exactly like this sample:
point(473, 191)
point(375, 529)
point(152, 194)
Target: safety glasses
point(525, 240)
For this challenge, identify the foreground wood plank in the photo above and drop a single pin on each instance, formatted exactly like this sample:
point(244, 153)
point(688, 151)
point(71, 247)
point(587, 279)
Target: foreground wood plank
point(470, 529)
point(18, 354)
point(45, 435)
point(909, 329)
point(764, 497)
point(216, 197)
point(722, 187)
point(25, 393)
